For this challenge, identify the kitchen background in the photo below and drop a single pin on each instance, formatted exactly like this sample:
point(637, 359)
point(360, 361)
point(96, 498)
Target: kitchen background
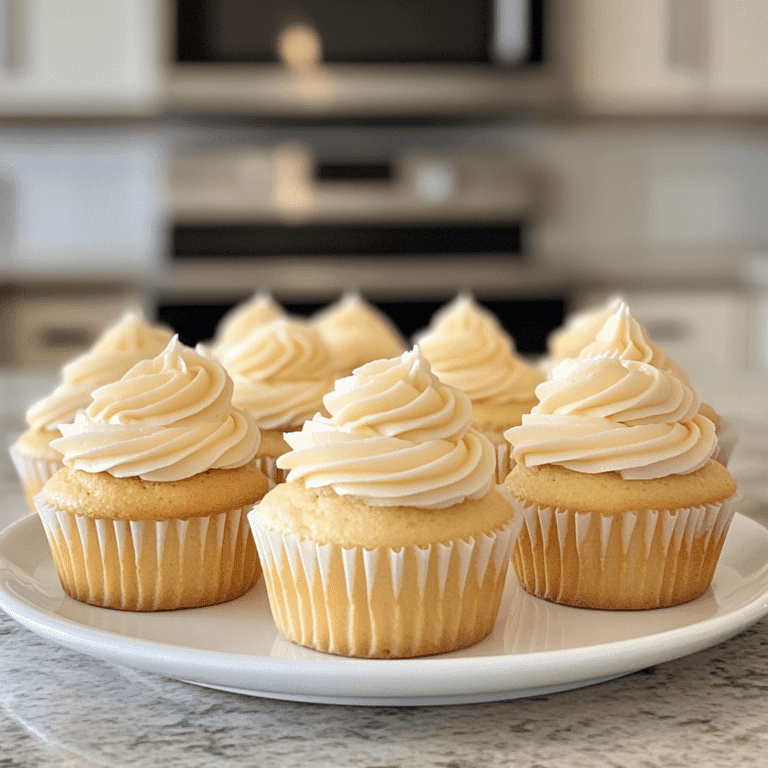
point(624, 149)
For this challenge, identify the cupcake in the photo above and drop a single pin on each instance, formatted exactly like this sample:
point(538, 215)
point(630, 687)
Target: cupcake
point(119, 348)
point(356, 333)
point(623, 506)
point(467, 348)
point(388, 538)
point(261, 308)
point(149, 511)
point(280, 370)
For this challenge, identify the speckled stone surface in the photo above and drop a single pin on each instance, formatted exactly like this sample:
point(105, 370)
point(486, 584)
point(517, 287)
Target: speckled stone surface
point(60, 708)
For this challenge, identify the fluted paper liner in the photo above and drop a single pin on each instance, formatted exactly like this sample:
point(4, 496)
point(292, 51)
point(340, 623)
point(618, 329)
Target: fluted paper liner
point(268, 465)
point(151, 565)
point(629, 560)
point(33, 472)
point(384, 602)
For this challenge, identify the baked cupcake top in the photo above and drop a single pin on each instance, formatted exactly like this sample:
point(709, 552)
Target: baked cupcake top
point(261, 308)
point(166, 419)
point(396, 436)
point(612, 412)
point(468, 349)
point(280, 370)
point(356, 333)
point(580, 329)
point(119, 348)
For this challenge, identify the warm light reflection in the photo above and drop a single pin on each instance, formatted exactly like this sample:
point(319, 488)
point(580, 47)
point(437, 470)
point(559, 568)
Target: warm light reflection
point(293, 190)
point(300, 48)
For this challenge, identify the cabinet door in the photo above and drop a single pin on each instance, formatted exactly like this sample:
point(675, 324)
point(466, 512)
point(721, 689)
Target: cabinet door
point(78, 56)
point(738, 60)
point(647, 56)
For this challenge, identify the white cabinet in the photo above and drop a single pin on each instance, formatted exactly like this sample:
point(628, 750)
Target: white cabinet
point(81, 57)
point(738, 59)
point(671, 56)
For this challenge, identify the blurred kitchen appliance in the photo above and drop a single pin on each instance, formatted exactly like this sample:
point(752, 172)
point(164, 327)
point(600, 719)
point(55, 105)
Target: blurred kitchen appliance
point(371, 59)
point(408, 231)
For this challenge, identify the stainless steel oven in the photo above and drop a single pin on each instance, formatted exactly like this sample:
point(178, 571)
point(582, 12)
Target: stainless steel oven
point(408, 231)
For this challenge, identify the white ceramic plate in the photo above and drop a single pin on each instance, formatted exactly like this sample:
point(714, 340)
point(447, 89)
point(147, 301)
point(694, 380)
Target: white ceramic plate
point(536, 647)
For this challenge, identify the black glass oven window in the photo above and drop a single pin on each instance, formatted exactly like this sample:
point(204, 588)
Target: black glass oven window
point(270, 240)
point(350, 31)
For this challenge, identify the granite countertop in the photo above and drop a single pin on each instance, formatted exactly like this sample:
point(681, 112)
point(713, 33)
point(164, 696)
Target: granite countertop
point(61, 708)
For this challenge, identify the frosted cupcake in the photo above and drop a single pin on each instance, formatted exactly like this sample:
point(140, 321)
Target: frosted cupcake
point(388, 538)
point(149, 511)
point(280, 370)
point(623, 506)
point(356, 333)
point(260, 309)
point(467, 348)
point(119, 348)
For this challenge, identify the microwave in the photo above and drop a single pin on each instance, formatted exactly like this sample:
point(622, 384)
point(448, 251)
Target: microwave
point(364, 58)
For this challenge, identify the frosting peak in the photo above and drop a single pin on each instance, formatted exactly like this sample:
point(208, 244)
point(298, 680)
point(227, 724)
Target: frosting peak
point(356, 333)
point(281, 371)
point(580, 329)
point(166, 419)
point(396, 436)
point(623, 336)
point(468, 348)
point(261, 308)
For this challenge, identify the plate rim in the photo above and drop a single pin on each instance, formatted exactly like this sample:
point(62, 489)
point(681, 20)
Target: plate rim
point(455, 677)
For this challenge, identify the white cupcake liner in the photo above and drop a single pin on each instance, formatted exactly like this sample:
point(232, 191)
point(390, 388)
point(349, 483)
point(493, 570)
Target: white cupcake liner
point(384, 602)
point(268, 465)
point(727, 437)
point(150, 565)
point(33, 473)
point(636, 559)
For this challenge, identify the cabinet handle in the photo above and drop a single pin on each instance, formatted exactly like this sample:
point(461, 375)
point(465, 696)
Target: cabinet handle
point(688, 35)
point(16, 13)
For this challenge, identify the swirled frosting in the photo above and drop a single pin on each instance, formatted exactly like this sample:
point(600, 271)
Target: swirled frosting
point(580, 329)
point(167, 418)
point(396, 436)
point(280, 370)
point(624, 337)
point(605, 414)
point(118, 349)
point(261, 308)
point(467, 348)
point(356, 333)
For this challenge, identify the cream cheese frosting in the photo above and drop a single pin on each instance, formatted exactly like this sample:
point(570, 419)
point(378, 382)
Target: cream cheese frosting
point(580, 329)
point(166, 419)
point(356, 333)
point(623, 335)
point(280, 370)
point(467, 348)
point(261, 308)
point(118, 349)
point(396, 436)
point(608, 414)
